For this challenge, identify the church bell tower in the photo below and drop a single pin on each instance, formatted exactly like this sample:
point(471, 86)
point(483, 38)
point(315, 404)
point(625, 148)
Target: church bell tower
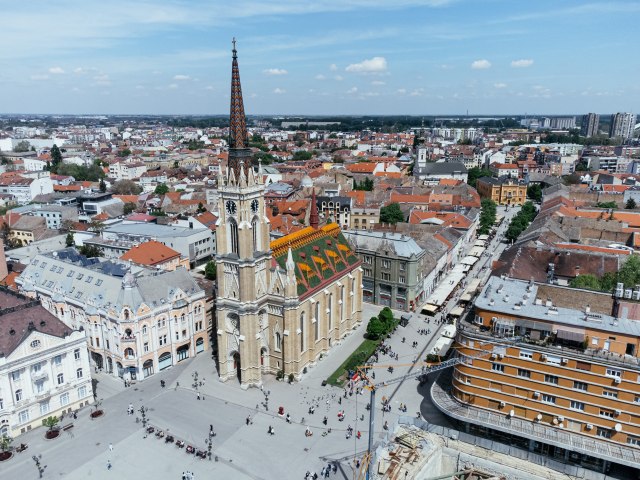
point(243, 254)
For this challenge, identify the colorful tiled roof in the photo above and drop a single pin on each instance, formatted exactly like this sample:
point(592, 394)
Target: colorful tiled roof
point(320, 256)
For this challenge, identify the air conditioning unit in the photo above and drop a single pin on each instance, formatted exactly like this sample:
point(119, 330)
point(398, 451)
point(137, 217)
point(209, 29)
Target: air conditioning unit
point(536, 394)
point(565, 361)
point(543, 357)
point(617, 380)
point(589, 426)
point(617, 413)
point(493, 356)
point(560, 418)
point(502, 404)
point(500, 356)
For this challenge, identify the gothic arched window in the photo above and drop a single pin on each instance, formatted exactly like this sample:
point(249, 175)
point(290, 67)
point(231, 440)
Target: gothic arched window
point(233, 234)
point(317, 324)
point(278, 339)
point(302, 339)
point(255, 228)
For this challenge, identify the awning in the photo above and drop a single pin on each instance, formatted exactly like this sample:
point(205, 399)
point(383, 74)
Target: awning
point(466, 297)
point(477, 251)
point(469, 260)
point(447, 285)
point(430, 309)
point(571, 336)
point(457, 312)
point(483, 237)
point(480, 243)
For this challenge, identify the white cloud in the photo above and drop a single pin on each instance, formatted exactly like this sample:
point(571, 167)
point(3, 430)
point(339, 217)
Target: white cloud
point(446, 66)
point(279, 91)
point(173, 86)
point(522, 63)
point(378, 82)
point(499, 85)
point(481, 64)
point(39, 77)
point(181, 77)
point(373, 65)
point(333, 67)
point(371, 94)
point(401, 91)
point(352, 90)
point(83, 70)
point(275, 71)
point(418, 92)
point(209, 87)
point(320, 77)
point(339, 78)
point(56, 70)
point(102, 80)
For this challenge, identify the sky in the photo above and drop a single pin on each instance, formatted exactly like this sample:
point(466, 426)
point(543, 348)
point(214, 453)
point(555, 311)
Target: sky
point(320, 57)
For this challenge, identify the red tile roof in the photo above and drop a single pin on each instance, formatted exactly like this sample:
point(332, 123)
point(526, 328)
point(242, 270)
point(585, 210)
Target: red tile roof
point(150, 253)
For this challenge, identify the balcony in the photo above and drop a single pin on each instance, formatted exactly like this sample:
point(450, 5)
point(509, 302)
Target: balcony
point(584, 444)
point(128, 338)
point(39, 376)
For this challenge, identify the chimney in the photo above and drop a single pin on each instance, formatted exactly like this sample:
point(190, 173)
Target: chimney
point(4, 270)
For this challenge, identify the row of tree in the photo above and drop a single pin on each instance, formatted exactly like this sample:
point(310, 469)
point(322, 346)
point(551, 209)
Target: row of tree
point(474, 173)
point(521, 221)
point(487, 216)
point(378, 327)
point(629, 274)
point(366, 184)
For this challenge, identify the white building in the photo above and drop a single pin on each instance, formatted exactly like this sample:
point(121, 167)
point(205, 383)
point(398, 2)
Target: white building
point(126, 170)
point(44, 366)
point(25, 188)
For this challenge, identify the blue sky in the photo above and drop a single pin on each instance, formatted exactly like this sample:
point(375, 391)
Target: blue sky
point(320, 57)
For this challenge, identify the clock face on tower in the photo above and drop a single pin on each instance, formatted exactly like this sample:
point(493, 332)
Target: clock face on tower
point(254, 206)
point(231, 207)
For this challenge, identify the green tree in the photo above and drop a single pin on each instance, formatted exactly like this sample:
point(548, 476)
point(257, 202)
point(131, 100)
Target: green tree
point(103, 186)
point(534, 192)
point(588, 281)
point(129, 207)
point(386, 317)
point(23, 146)
point(124, 153)
point(5, 442)
point(606, 205)
point(161, 189)
point(366, 184)
point(90, 251)
point(201, 208)
point(56, 158)
point(210, 270)
point(375, 328)
point(125, 187)
point(475, 173)
point(630, 205)
point(69, 242)
point(50, 422)
point(487, 216)
point(391, 214)
point(629, 274)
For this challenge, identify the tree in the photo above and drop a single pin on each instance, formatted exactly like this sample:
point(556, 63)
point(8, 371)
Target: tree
point(588, 281)
point(50, 422)
point(391, 214)
point(606, 205)
point(210, 270)
point(366, 184)
point(90, 251)
point(124, 153)
point(375, 328)
point(386, 317)
point(176, 164)
point(103, 186)
point(129, 207)
point(125, 187)
point(487, 216)
point(161, 189)
point(69, 242)
point(629, 274)
point(475, 173)
point(22, 146)
point(201, 208)
point(56, 157)
point(66, 225)
point(534, 192)
point(5, 442)
point(631, 204)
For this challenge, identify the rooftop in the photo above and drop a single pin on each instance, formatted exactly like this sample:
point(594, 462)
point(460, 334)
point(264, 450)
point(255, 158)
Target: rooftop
point(401, 245)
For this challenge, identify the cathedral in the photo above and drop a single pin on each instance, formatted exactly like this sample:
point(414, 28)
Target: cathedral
point(280, 305)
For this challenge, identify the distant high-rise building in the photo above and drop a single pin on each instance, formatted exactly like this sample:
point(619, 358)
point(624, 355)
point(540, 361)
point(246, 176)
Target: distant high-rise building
point(589, 126)
point(622, 125)
point(562, 123)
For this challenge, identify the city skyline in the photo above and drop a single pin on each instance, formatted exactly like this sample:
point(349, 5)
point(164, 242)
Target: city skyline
point(327, 58)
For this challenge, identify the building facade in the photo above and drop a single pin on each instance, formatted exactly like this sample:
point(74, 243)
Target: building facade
point(280, 305)
point(503, 191)
point(622, 125)
point(137, 321)
point(44, 365)
point(590, 123)
point(560, 364)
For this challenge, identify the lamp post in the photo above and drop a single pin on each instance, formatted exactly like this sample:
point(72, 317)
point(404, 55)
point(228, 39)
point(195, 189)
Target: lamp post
point(39, 466)
point(209, 445)
point(143, 412)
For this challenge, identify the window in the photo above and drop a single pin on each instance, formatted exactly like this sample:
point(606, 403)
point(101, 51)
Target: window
point(302, 339)
point(609, 393)
point(256, 234)
point(612, 372)
point(162, 340)
point(60, 378)
point(386, 276)
point(15, 375)
point(551, 379)
point(36, 368)
point(89, 279)
point(401, 279)
point(548, 398)
point(497, 367)
point(403, 266)
point(79, 373)
point(367, 272)
point(39, 386)
point(603, 432)
point(23, 416)
point(79, 277)
point(19, 395)
point(98, 282)
point(64, 399)
point(524, 373)
point(278, 341)
point(368, 260)
point(637, 399)
point(577, 405)
point(82, 392)
point(635, 441)
point(233, 233)
point(606, 413)
point(145, 347)
point(580, 386)
point(177, 335)
point(144, 329)
point(71, 272)
point(386, 263)
point(526, 354)
point(553, 359)
point(44, 408)
point(316, 326)
point(76, 354)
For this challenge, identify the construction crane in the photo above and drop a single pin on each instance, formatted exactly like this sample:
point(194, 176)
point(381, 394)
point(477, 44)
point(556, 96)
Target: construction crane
point(426, 369)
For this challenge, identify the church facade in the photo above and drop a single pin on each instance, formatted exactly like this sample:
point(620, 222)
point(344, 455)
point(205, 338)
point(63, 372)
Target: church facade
point(281, 304)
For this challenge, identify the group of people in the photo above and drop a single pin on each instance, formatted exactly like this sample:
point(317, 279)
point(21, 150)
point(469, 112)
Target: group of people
point(325, 472)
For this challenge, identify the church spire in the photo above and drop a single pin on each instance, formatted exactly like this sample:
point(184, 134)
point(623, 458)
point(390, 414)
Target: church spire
point(238, 144)
point(314, 219)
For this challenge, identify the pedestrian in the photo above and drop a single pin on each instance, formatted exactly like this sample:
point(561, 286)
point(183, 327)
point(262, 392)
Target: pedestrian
point(322, 471)
point(108, 464)
point(198, 395)
point(248, 419)
point(111, 447)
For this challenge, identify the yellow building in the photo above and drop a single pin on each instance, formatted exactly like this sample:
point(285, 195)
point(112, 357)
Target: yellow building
point(503, 191)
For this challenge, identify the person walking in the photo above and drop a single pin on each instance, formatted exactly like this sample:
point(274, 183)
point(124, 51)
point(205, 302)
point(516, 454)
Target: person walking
point(111, 447)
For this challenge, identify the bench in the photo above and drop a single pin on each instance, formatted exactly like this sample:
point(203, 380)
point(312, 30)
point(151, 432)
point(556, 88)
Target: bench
point(67, 427)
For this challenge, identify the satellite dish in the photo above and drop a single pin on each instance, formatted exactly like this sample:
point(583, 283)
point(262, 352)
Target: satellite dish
point(512, 413)
point(618, 427)
point(539, 417)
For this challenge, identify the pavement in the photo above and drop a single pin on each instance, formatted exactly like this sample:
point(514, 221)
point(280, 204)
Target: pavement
point(239, 451)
